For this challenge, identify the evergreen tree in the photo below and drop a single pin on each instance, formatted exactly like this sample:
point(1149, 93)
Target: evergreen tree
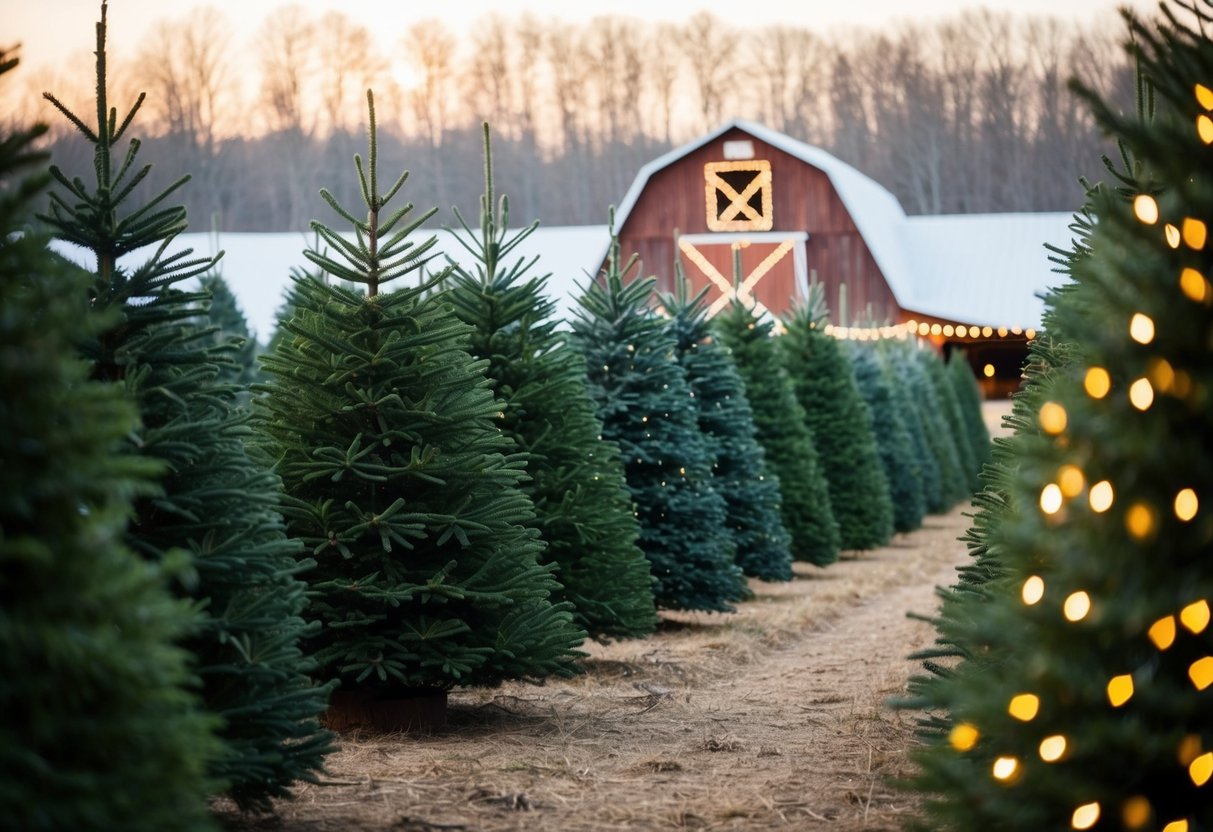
point(841, 425)
point(232, 336)
point(784, 433)
point(912, 361)
point(97, 729)
point(925, 462)
point(1095, 715)
point(953, 421)
point(582, 508)
point(213, 500)
point(968, 396)
point(399, 480)
point(901, 466)
point(646, 406)
point(740, 469)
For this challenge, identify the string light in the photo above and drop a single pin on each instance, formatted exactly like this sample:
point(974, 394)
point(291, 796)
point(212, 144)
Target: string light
point(1024, 706)
point(1085, 816)
point(1186, 504)
point(1162, 374)
point(1052, 748)
point(1070, 480)
point(1189, 749)
point(1050, 498)
point(948, 330)
point(1176, 826)
point(1136, 812)
point(1201, 672)
point(1097, 382)
point(1076, 606)
point(1141, 394)
point(936, 329)
point(963, 737)
point(988, 371)
point(1005, 767)
point(962, 331)
point(1162, 632)
point(1204, 128)
point(1052, 418)
point(1141, 328)
point(1204, 96)
point(1120, 690)
point(987, 331)
point(1146, 209)
point(1195, 617)
point(1002, 332)
point(1194, 233)
point(1194, 285)
point(1201, 769)
point(1172, 235)
point(1139, 520)
point(1033, 590)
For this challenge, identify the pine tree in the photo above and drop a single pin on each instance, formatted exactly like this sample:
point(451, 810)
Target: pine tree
point(582, 508)
point(399, 479)
point(912, 361)
point(98, 730)
point(232, 336)
point(841, 425)
point(953, 421)
point(784, 433)
point(1096, 715)
point(926, 465)
point(642, 396)
point(968, 396)
point(740, 469)
point(902, 469)
point(213, 500)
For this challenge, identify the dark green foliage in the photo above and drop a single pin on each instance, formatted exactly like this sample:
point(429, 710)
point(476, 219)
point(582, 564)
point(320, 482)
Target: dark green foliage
point(901, 465)
point(926, 465)
point(841, 425)
point(968, 397)
point(212, 501)
point(97, 729)
point(232, 337)
point(582, 507)
point(399, 479)
point(953, 420)
point(642, 396)
point(1142, 560)
point(740, 469)
point(912, 362)
point(783, 431)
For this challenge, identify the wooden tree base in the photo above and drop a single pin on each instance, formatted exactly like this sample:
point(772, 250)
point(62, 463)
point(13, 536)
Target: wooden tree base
point(356, 709)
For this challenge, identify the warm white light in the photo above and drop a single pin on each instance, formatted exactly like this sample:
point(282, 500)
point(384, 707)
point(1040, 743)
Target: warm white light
point(1141, 328)
point(1085, 816)
point(962, 331)
point(1139, 520)
point(1024, 707)
point(963, 737)
point(1204, 128)
point(1052, 418)
point(1070, 480)
point(1172, 235)
point(1076, 606)
point(1141, 394)
point(1050, 498)
point(1005, 768)
point(1051, 748)
point(936, 329)
point(1101, 496)
point(1146, 209)
point(987, 331)
point(1186, 504)
point(988, 371)
point(1033, 590)
point(1097, 382)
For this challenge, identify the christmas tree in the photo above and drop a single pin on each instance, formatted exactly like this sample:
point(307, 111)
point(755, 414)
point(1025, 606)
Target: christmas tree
point(231, 333)
point(97, 730)
point(582, 507)
point(900, 464)
point(740, 469)
point(911, 361)
point(784, 433)
point(647, 409)
point(212, 500)
point(953, 421)
point(926, 466)
point(841, 425)
point(399, 479)
point(968, 397)
point(1096, 715)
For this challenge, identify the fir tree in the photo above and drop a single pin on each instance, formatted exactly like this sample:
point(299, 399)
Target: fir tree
point(901, 466)
point(784, 433)
point(953, 421)
point(925, 463)
point(968, 396)
point(912, 362)
point(740, 468)
point(582, 507)
point(1096, 714)
point(841, 425)
point(642, 396)
point(399, 480)
point(97, 728)
point(212, 500)
point(232, 335)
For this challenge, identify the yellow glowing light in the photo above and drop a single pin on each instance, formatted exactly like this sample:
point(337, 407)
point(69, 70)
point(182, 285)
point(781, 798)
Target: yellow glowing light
point(1201, 672)
point(1162, 632)
point(1033, 590)
point(1172, 234)
point(963, 737)
point(1204, 128)
point(1024, 706)
point(1002, 332)
point(1120, 690)
point(987, 331)
point(1195, 616)
point(1005, 768)
point(924, 329)
point(1186, 504)
point(936, 329)
point(1201, 769)
point(1101, 496)
point(1204, 96)
point(1030, 334)
point(1051, 748)
point(988, 371)
point(948, 330)
point(1194, 286)
point(1052, 418)
point(1071, 480)
point(1085, 816)
point(963, 331)
point(1050, 498)
point(1162, 374)
point(1146, 209)
point(1139, 520)
point(1195, 233)
point(1141, 394)
point(1017, 330)
point(1097, 382)
point(1176, 826)
point(1141, 328)
point(1136, 812)
point(1076, 606)
point(1189, 749)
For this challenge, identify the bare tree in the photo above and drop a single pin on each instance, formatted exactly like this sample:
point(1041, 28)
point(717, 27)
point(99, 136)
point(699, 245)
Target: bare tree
point(710, 48)
point(286, 46)
point(662, 66)
point(348, 63)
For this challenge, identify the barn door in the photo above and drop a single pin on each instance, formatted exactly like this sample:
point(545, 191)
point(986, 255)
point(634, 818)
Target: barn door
point(773, 271)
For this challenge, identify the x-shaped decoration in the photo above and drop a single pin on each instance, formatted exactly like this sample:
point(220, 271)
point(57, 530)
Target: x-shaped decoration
point(738, 195)
point(744, 291)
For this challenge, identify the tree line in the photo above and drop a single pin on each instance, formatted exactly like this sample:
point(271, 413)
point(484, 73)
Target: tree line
point(971, 113)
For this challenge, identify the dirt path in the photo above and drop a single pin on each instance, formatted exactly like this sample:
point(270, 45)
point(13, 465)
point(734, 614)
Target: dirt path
point(773, 717)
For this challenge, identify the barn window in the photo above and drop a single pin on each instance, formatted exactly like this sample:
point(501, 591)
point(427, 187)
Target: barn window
point(738, 195)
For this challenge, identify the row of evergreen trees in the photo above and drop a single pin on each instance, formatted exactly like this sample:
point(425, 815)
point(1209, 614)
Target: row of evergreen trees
point(434, 487)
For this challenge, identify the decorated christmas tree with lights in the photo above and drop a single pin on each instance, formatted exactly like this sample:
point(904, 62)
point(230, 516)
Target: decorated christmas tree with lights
point(582, 507)
point(1096, 714)
point(647, 409)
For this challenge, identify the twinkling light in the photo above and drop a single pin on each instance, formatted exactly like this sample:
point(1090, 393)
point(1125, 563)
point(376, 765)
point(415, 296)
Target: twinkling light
point(1052, 748)
point(1053, 418)
point(1050, 498)
point(987, 331)
point(1162, 374)
point(1141, 328)
point(948, 330)
point(1201, 672)
point(1162, 632)
point(1172, 234)
point(936, 329)
point(1204, 96)
point(1005, 767)
point(1136, 812)
point(963, 737)
point(1024, 706)
point(988, 371)
point(1176, 826)
point(1141, 394)
point(1146, 209)
point(1070, 480)
point(1186, 504)
point(1194, 285)
point(1195, 233)
point(1204, 128)
point(1076, 606)
point(1030, 334)
point(1097, 382)
point(1120, 690)
point(1101, 496)
point(1139, 520)
point(1195, 616)
point(924, 329)
point(1085, 816)
point(1201, 769)
point(962, 331)
point(1033, 590)
point(1189, 749)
